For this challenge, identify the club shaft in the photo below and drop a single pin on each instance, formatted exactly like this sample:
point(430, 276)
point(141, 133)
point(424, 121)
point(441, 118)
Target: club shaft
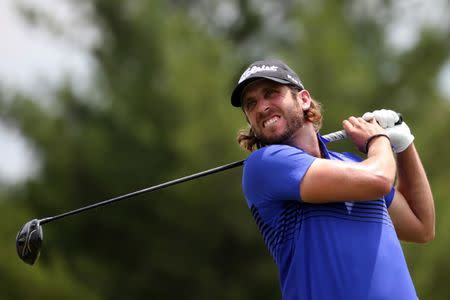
point(331, 137)
point(146, 190)
point(340, 135)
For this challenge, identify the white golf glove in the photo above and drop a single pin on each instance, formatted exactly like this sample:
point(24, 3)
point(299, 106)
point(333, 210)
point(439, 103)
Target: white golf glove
point(386, 118)
point(400, 135)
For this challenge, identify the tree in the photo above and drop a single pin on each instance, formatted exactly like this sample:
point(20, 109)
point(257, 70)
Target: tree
point(159, 109)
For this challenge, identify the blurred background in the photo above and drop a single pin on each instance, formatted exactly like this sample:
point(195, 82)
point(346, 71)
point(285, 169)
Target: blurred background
point(103, 97)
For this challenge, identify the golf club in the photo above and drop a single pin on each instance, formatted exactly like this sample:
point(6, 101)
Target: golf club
point(29, 239)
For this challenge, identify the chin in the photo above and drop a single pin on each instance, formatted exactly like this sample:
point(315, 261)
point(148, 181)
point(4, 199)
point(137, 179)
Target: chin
point(273, 139)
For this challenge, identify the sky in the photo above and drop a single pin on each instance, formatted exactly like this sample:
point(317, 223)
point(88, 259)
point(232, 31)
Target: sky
point(34, 60)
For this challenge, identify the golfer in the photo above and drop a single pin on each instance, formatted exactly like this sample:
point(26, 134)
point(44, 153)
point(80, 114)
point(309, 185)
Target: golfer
point(331, 221)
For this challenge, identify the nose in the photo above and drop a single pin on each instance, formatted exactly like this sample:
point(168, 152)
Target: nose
point(263, 105)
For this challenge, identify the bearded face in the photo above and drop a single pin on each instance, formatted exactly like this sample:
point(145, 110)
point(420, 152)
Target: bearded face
point(273, 111)
point(274, 133)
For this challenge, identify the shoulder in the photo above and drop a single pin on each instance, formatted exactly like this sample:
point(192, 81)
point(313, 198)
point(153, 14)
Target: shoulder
point(276, 163)
point(274, 155)
point(274, 173)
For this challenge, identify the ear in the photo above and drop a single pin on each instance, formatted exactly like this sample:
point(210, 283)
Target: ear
point(304, 99)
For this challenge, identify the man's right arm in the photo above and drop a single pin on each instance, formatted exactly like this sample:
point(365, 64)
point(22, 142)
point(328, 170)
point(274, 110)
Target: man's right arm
point(338, 181)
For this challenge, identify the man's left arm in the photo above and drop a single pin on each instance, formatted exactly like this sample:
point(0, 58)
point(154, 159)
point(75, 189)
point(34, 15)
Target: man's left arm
point(412, 209)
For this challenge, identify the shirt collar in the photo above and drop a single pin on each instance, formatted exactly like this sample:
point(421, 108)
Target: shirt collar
point(323, 147)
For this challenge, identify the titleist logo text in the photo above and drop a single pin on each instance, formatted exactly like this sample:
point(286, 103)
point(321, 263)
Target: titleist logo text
point(256, 69)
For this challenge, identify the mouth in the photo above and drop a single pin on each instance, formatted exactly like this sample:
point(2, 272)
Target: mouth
point(270, 122)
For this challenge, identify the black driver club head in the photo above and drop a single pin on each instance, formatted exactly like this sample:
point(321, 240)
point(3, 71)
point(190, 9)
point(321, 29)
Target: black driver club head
point(29, 241)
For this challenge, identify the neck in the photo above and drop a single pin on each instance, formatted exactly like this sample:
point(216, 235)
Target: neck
point(306, 139)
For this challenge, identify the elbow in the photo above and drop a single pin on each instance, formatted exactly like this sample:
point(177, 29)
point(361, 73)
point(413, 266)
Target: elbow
point(427, 236)
point(382, 185)
point(382, 180)
point(368, 184)
point(422, 237)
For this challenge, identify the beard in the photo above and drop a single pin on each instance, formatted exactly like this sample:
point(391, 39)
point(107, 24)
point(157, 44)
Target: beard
point(294, 120)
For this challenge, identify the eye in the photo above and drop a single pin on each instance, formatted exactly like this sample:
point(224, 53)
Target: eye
point(250, 104)
point(270, 93)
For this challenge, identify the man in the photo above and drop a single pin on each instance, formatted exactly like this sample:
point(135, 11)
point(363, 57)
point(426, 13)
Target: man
point(331, 221)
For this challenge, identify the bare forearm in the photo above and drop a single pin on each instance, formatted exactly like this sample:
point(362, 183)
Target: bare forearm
point(380, 160)
point(371, 179)
point(413, 184)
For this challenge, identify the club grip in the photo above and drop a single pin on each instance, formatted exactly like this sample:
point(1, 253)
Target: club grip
point(400, 119)
point(340, 135)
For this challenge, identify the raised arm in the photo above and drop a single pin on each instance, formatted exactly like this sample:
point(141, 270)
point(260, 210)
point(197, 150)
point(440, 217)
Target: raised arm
point(336, 181)
point(412, 209)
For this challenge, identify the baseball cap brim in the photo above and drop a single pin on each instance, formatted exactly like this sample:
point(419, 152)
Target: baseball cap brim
point(237, 92)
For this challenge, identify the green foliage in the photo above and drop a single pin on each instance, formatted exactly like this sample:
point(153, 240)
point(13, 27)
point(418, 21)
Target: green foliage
point(159, 109)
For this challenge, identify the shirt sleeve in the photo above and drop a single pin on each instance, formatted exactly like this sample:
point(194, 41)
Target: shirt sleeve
point(389, 197)
point(274, 173)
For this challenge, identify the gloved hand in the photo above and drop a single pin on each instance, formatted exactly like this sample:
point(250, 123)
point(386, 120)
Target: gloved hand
point(400, 135)
point(386, 118)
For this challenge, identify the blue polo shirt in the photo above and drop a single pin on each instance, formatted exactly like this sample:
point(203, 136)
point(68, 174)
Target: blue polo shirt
point(339, 250)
